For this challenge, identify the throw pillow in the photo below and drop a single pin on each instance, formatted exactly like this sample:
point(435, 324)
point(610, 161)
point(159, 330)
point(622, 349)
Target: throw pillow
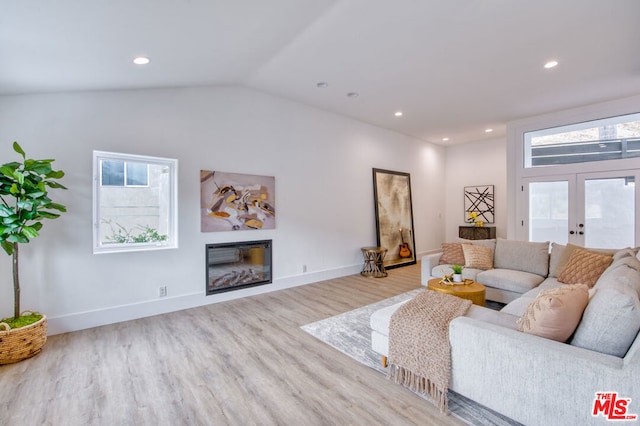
point(555, 313)
point(477, 257)
point(584, 267)
point(567, 251)
point(452, 254)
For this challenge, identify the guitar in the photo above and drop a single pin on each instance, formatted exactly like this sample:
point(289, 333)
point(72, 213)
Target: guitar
point(404, 247)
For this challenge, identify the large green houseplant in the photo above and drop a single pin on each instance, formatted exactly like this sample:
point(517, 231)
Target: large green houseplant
point(24, 203)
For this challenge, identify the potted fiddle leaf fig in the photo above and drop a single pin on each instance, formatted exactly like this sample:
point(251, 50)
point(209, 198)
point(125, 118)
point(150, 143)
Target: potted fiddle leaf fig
point(24, 204)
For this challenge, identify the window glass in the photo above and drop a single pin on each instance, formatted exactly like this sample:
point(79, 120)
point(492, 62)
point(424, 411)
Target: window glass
point(137, 174)
point(113, 173)
point(606, 139)
point(135, 202)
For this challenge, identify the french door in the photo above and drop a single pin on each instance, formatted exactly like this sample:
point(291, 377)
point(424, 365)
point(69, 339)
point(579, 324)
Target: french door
point(589, 209)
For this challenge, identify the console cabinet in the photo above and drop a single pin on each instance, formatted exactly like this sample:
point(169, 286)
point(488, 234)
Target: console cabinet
point(477, 232)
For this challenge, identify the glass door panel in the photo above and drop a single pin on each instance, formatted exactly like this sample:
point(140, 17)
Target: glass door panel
point(549, 211)
point(609, 211)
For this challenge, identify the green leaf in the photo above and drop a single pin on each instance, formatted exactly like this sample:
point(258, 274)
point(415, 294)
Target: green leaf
point(8, 247)
point(48, 215)
point(34, 194)
point(17, 148)
point(53, 184)
point(17, 238)
point(29, 232)
point(57, 206)
point(25, 204)
point(10, 220)
point(9, 168)
point(37, 226)
point(55, 174)
point(40, 168)
point(5, 211)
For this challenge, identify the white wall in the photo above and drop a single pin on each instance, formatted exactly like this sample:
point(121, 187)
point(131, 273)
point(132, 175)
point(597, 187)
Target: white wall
point(324, 198)
point(475, 163)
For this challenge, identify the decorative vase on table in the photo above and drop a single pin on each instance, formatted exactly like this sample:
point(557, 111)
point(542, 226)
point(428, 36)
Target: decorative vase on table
point(457, 278)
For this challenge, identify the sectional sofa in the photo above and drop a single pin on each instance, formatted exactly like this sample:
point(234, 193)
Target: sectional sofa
point(544, 358)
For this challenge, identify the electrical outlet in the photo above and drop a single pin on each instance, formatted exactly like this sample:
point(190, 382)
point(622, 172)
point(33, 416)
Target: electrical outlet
point(162, 291)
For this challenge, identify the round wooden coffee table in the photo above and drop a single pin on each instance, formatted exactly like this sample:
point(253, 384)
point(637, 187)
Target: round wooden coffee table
point(469, 290)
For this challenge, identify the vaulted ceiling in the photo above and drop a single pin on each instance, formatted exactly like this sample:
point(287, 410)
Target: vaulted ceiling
point(454, 68)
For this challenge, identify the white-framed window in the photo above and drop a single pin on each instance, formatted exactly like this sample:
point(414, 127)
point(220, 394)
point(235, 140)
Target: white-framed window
point(135, 200)
point(611, 138)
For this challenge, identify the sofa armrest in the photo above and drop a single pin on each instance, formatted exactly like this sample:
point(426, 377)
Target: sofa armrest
point(428, 262)
point(531, 379)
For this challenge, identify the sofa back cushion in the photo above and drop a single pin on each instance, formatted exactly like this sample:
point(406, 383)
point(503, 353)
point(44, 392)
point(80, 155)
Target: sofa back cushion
point(611, 321)
point(522, 256)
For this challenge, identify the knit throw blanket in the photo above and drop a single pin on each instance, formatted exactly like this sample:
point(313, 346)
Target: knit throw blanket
point(419, 349)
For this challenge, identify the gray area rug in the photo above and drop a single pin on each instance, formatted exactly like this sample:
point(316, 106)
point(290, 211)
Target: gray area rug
point(350, 333)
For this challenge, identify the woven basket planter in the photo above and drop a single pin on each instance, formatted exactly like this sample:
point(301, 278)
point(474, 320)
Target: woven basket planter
point(21, 343)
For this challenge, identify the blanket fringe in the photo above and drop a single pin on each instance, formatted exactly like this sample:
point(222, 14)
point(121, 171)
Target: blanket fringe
point(421, 385)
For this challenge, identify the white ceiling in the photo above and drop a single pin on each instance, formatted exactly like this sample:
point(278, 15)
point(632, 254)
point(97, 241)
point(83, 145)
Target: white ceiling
point(454, 67)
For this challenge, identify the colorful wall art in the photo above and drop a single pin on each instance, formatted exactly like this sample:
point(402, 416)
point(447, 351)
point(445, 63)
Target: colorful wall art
point(235, 202)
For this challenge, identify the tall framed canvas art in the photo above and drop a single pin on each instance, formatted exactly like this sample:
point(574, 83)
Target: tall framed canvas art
point(394, 217)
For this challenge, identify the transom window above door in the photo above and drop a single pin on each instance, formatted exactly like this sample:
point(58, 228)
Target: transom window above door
point(605, 139)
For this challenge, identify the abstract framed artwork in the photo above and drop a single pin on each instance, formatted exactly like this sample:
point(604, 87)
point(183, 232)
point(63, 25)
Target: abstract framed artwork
point(479, 199)
point(236, 202)
point(394, 217)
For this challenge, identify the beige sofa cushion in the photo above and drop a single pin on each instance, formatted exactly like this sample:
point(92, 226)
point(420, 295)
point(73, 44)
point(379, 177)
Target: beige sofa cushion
point(522, 256)
point(555, 313)
point(509, 279)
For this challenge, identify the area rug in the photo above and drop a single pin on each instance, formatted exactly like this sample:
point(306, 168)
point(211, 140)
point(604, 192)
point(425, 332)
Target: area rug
point(350, 333)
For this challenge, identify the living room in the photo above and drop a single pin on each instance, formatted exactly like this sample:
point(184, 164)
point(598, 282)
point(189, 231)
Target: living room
point(322, 162)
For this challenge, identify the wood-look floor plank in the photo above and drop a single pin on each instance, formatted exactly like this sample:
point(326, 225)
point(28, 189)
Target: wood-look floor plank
point(242, 362)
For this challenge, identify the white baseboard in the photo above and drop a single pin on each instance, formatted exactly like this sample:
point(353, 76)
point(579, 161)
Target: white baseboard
point(115, 314)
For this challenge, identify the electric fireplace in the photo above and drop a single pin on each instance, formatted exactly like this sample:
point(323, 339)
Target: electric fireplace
point(231, 266)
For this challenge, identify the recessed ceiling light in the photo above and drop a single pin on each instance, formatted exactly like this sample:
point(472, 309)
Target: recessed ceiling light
point(398, 113)
point(352, 95)
point(551, 64)
point(445, 139)
point(141, 60)
point(488, 130)
point(322, 84)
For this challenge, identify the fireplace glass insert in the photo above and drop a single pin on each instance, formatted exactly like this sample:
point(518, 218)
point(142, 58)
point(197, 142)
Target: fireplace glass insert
point(231, 266)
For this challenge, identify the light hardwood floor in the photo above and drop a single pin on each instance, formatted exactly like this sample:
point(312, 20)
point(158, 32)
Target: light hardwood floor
point(243, 362)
